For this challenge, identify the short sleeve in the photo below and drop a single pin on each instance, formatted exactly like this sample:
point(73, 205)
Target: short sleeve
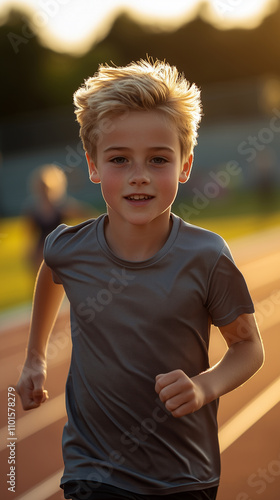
point(63, 247)
point(228, 295)
point(52, 251)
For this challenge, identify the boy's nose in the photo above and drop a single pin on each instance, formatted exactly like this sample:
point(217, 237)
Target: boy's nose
point(139, 175)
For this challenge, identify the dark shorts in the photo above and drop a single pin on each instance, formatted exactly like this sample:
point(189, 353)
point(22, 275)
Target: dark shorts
point(83, 490)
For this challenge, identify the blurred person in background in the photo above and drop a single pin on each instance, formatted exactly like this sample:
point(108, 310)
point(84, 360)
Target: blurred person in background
point(48, 206)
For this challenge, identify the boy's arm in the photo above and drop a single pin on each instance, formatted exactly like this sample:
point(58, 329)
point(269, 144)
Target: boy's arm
point(47, 301)
point(183, 395)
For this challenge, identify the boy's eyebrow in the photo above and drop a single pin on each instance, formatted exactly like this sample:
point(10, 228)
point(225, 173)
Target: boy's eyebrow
point(153, 148)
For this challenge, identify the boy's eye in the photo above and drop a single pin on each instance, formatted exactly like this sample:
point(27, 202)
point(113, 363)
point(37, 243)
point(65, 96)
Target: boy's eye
point(159, 160)
point(119, 160)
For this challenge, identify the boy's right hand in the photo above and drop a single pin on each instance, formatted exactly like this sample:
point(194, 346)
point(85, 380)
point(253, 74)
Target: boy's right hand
point(30, 386)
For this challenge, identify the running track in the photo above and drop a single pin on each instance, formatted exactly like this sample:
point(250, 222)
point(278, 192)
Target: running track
point(249, 418)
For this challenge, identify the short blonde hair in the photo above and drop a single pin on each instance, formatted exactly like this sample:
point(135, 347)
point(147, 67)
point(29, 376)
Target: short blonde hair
point(144, 85)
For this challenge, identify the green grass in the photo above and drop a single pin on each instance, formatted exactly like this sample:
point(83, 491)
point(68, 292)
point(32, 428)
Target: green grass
point(17, 277)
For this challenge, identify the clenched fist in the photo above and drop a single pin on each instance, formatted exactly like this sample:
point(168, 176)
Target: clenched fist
point(30, 386)
point(180, 394)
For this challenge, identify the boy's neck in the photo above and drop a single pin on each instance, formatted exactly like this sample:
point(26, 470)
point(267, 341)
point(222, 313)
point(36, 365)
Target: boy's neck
point(137, 243)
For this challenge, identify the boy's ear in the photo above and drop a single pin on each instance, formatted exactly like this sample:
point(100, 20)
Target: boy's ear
point(186, 170)
point(93, 173)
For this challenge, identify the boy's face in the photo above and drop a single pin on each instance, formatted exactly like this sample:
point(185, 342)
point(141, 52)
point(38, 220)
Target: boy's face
point(138, 163)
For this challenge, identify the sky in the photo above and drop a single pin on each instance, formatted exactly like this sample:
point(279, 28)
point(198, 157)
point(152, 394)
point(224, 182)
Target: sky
point(74, 25)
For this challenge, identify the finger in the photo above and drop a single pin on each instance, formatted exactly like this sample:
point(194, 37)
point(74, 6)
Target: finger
point(38, 395)
point(165, 379)
point(178, 387)
point(28, 402)
point(158, 386)
point(25, 391)
point(45, 396)
point(38, 388)
point(183, 410)
point(175, 402)
point(169, 392)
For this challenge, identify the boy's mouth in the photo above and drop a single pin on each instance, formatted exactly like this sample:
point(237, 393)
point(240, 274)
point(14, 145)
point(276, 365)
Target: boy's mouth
point(138, 197)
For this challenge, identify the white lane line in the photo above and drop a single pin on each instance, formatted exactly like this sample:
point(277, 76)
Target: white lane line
point(36, 420)
point(16, 317)
point(45, 489)
point(228, 434)
point(262, 271)
point(243, 420)
point(12, 369)
point(19, 316)
point(255, 246)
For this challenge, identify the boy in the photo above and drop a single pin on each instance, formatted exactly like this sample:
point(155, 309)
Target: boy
point(144, 288)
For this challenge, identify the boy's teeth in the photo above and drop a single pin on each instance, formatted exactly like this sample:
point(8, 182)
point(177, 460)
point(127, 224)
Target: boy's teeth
point(138, 197)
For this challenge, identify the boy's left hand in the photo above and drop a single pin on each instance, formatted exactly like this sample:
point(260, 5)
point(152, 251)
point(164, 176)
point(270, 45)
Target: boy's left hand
point(180, 394)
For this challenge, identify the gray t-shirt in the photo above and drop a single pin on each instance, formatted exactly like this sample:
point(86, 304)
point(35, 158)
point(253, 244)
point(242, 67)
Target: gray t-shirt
point(131, 321)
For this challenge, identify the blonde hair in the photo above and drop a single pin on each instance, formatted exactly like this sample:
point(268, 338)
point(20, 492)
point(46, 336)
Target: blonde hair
point(144, 85)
